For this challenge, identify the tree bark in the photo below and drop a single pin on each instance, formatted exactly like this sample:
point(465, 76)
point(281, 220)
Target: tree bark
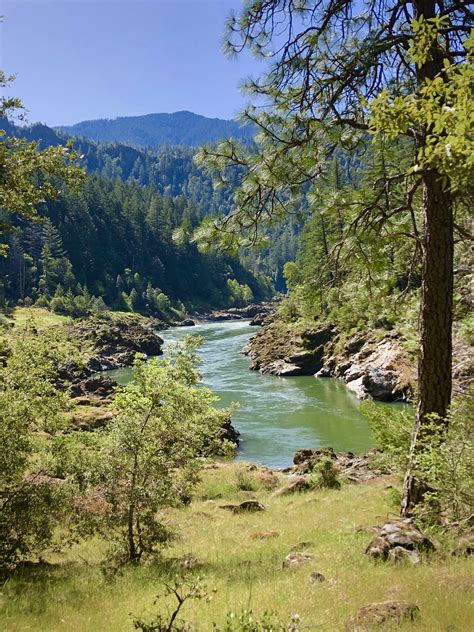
point(435, 350)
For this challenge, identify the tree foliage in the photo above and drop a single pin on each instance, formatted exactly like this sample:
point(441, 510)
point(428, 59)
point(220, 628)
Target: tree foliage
point(154, 446)
point(32, 412)
point(336, 71)
point(29, 176)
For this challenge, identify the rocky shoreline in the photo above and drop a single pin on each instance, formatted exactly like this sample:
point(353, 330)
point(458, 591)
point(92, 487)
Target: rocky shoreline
point(256, 312)
point(374, 365)
point(112, 342)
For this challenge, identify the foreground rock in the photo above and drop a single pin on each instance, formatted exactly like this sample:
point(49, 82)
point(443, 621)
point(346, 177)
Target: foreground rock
point(379, 614)
point(354, 468)
point(316, 577)
point(397, 540)
point(297, 485)
point(248, 506)
point(295, 559)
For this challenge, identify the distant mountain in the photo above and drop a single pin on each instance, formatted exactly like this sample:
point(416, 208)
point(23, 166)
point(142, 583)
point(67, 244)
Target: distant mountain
point(170, 169)
point(156, 130)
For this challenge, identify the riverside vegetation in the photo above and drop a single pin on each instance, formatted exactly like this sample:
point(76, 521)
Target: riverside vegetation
point(78, 504)
point(98, 512)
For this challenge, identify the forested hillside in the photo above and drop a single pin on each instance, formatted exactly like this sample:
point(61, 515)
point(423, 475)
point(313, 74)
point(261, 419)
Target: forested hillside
point(186, 190)
point(156, 130)
point(113, 240)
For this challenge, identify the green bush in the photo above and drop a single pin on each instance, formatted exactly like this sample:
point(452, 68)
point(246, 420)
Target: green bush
point(154, 447)
point(32, 414)
point(246, 482)
point(444, 460)
point(325, 474)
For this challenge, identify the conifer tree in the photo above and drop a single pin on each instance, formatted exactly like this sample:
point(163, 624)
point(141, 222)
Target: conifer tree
point(337, 70)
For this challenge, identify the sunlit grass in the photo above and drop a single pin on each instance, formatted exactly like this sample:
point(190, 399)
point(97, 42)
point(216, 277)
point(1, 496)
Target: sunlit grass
point(41, 317)
point(245, 568)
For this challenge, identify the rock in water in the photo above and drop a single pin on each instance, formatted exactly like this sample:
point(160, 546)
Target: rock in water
point(378, 614)
point(187, 322)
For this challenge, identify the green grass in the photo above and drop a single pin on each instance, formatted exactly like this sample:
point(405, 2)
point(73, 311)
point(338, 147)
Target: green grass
point(42, 317)
point(245, 571)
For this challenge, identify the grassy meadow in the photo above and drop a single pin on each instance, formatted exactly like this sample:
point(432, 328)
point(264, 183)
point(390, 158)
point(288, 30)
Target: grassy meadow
point(240, 565)
point(40, 316)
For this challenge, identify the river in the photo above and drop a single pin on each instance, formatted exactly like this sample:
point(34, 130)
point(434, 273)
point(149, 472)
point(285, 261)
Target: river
point(277, 415)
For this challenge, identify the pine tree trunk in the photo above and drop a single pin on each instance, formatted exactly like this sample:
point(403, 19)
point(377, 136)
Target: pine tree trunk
point(435, 350)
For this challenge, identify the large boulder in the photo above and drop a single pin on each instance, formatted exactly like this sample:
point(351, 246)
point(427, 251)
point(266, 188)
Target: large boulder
point(279, 349)
point(297, 485)
point(382, 385)
point(375, 615)
point(398, 534)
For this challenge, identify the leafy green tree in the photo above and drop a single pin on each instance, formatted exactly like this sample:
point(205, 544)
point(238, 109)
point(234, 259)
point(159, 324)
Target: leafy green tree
point(328, 61)
point(164, 423)
point(29, 176)
point(32, 412)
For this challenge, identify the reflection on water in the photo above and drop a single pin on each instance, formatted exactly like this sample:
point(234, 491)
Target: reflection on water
point(277, 415)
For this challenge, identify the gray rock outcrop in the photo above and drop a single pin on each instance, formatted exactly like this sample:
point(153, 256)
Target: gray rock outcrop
point(396, 535)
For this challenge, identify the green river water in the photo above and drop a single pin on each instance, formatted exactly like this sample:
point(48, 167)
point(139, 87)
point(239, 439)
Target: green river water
point(277, 415)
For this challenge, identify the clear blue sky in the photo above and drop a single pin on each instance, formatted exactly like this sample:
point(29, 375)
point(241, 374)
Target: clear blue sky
point(86, 59)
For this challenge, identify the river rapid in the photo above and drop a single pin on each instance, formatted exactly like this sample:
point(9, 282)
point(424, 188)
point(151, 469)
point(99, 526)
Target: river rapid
point(277, 415)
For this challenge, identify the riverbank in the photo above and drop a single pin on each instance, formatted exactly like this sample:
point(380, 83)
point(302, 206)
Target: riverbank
point(276, 415)
point(239, 558)
point(374, 365)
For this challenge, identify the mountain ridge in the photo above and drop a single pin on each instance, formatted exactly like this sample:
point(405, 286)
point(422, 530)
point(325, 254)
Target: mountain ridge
point(156, 129)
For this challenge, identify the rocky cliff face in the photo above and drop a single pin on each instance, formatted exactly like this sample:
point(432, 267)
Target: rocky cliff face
point(114, 343)
point(374, 365)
